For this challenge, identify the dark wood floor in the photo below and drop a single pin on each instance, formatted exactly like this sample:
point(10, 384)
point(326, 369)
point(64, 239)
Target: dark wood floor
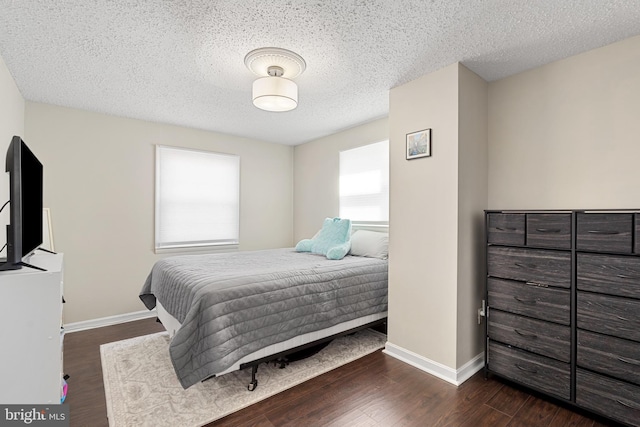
point(376, 390)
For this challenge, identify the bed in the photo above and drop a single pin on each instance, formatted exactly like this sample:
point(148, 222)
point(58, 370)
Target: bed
point(228, 311)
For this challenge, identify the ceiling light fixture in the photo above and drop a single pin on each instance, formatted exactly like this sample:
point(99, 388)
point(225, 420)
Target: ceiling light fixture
point(275, 91)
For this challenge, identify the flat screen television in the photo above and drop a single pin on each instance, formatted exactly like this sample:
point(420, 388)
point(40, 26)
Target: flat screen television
point(24, 231)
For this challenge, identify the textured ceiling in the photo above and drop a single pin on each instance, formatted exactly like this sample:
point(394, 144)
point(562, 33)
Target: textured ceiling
point(181, 62)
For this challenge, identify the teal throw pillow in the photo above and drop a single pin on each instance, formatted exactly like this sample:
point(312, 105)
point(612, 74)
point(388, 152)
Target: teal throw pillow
point(333, 240)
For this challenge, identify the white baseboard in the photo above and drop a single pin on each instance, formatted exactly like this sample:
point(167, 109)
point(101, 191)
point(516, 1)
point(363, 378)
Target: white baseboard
point(453, 376)
point(107, 321)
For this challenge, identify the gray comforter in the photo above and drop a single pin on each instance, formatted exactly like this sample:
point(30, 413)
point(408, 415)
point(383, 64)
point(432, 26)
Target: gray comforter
point(233, 304)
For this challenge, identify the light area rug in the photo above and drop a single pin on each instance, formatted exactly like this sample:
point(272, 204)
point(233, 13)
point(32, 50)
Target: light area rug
point(141, 387)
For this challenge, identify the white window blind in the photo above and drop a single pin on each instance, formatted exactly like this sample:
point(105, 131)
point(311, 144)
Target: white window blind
point(197, 198)
point(364, 183)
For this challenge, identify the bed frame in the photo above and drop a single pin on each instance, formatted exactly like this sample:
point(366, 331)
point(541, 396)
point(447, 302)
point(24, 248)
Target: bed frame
point(278, 353)
point(281, 357)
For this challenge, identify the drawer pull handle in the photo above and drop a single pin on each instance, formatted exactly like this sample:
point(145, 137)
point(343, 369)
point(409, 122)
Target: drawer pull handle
point(537, 285)
point(521, 265)
point(525, 301)
point(530, 370)
point(505, 229)
point(629, 361)
point(607, 232)
point(548, 230)
point(524, 334)
point(628, 405)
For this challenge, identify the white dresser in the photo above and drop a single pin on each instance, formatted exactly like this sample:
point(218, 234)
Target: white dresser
point(31, 335)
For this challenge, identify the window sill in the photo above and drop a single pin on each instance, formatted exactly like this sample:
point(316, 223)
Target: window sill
point(205, 249)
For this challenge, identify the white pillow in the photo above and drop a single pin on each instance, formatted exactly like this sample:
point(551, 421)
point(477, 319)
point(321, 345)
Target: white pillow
point(370, 244)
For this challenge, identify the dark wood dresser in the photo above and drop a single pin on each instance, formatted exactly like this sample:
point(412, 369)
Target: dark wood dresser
point(563, 306)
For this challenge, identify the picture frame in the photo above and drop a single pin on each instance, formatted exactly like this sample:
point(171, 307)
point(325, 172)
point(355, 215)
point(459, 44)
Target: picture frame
point(47, 231)
point(419, 144)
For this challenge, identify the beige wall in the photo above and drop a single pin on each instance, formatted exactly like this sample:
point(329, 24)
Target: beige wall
point(567, 135)
point(316, 173)
point(436, 250)
point(423, 218)
point(11, 123)
point(99, 184)
point(472, 200)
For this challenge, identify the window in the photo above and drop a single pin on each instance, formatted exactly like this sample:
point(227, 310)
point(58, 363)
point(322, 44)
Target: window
point(364, 183)
point(197, 198)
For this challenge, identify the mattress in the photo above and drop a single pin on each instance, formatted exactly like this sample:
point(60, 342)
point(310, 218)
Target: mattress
point(230, 306)
point(171, 324)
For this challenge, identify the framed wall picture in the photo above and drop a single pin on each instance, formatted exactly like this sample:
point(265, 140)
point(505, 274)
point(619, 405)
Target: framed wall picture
point(419, 144)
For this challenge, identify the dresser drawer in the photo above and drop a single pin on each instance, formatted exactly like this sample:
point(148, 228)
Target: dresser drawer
point(552, 268)
point(613, 356)
point(549, 230)
point(609, 274)
point(537, 336)
point(637, 248)
point(610, 232)
point(542, 373)
point(615, 399)
point(506, 229)
point(549, 304)
point(619, 317)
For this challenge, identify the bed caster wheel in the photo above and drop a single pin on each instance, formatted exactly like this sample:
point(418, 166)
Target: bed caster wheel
point(280, 363)
point(252, 385)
